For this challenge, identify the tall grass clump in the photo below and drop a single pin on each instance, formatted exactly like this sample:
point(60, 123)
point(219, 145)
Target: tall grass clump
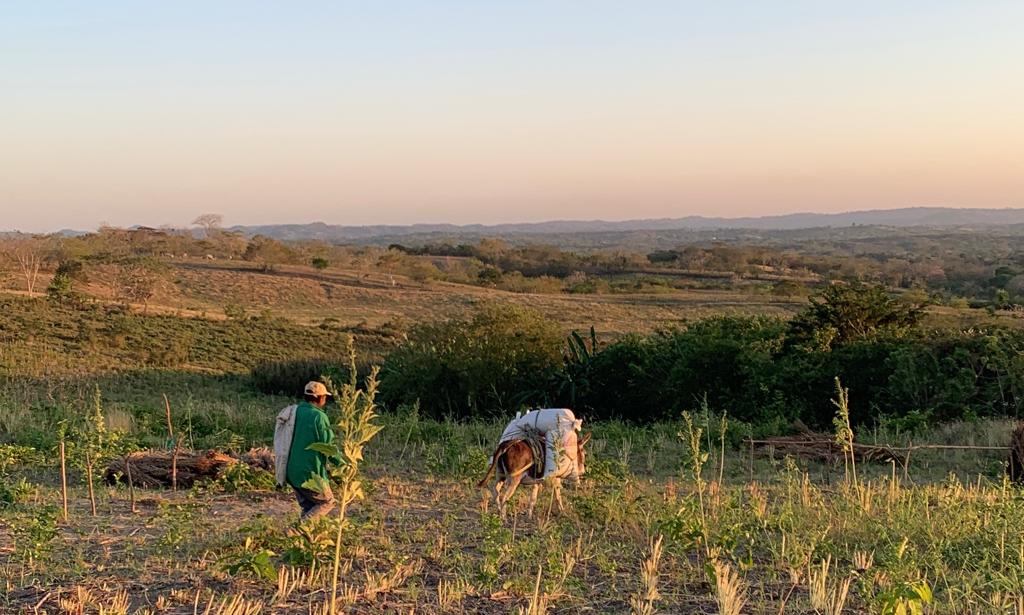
point(730, 593)
point(642, 603)
point(844, 432)
point(695, 460)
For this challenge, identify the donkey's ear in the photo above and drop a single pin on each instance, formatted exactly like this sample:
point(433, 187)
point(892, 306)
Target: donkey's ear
point(586, 439)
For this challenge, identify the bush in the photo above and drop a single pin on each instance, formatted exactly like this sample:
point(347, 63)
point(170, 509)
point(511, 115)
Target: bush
point(494, 363)
point(288, 377)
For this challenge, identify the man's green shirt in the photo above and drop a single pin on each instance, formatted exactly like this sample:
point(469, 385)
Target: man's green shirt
point(311, 425)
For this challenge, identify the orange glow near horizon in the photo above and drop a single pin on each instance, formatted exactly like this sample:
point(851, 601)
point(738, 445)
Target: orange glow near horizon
point(845, 115)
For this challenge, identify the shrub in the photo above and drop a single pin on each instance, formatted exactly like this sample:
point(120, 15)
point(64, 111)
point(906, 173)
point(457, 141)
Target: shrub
point(496, 361)
point(288, 377)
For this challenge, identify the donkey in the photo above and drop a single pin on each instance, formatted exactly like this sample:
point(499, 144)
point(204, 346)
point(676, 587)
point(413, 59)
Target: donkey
point(509, 466)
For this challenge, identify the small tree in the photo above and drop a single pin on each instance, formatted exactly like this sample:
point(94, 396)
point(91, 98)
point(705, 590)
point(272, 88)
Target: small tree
point(320, 262)
point(61, 287)
point(91, 443)
point(137, 281)
point(210, 223)
point(845, 313)
point(267, 251)
point(356, 427)
point(29, 253)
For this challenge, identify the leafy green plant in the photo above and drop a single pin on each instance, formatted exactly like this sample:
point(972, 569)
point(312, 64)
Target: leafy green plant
point(694, 461)
point(12, 454)
point(906, 599)
point(179, 523)
point(310, 543)
point(494, 362)
point(250, 560)
point(12, 492)
point(33, 530)
point(450, 458)
point(241, 477)
point(356, 426)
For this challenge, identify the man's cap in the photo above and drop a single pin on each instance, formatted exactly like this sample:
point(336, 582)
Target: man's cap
point(316, 389)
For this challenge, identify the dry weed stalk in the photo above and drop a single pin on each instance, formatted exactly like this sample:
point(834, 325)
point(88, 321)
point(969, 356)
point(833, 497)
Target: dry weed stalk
point(538, 604)
point(642, 603)
point(451, 592)
point(118, 605)
point(844, 431)
point(730, 592)
point(290, 579)
point(758, 500)
point(827, 598)
point(237, 605)
point(387, 581)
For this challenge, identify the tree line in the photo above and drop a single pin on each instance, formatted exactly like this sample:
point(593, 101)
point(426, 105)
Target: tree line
point(763, 371)
point(955, 268)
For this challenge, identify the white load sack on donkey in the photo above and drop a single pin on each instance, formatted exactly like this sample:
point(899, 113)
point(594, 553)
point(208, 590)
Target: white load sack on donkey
point(559, 426)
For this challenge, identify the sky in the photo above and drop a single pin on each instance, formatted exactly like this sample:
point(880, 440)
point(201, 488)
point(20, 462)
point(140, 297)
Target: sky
point(397, 112)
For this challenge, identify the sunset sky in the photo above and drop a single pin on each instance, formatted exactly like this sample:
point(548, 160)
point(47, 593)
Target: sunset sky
point(401, 112)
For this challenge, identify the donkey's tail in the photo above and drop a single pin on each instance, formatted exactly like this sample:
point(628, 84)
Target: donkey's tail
point(494, 462)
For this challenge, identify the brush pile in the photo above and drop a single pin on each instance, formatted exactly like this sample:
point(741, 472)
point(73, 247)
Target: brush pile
point(151, 469)
point(822, 447)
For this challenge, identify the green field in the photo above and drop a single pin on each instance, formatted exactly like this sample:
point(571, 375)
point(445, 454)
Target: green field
point(666, 520)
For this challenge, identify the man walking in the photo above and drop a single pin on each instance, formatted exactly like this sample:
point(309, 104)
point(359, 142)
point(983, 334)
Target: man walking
point(309, 424)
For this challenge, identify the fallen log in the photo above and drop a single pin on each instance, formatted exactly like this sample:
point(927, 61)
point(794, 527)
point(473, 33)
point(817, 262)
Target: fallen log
point(823, 448)
point(151, 469)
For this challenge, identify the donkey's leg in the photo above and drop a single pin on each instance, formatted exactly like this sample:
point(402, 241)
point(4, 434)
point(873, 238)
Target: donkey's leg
point(557, 486)
point(533, 499)
point(493, 491)
point(511, 483)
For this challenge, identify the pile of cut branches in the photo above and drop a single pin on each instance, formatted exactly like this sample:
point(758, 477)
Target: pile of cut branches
point(823, 447)
point(159, 468)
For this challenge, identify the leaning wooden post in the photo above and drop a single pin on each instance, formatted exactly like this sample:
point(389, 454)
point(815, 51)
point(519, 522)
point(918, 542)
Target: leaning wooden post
point(751, 460)
point(906, 461)
point(64, 479)
point(92, 494)
point(174, 450)
point(131, 485)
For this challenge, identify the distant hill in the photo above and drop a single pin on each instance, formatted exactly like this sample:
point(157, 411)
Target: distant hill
point(914, 216)
point(934, 217)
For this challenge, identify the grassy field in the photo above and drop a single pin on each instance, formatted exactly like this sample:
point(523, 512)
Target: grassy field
point(374, 299)
point(796, 536)
point(655, 527)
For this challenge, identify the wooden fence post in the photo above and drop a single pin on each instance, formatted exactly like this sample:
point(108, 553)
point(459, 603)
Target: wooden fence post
point(174, 450)
point(64, 479)
point(131, 484)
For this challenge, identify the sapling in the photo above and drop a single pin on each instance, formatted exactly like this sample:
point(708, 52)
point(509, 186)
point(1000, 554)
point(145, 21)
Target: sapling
point(642, 603)
point(355, 428)
point(95, 442)
point(690, 436)
point(844, 432)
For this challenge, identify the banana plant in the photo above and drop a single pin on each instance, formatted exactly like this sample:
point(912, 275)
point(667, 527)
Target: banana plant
point(579, 359)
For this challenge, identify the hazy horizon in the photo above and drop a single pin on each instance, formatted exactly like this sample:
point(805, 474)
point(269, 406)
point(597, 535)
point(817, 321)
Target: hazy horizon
point(469, 113)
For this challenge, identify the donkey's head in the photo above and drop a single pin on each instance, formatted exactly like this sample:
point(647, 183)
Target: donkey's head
point(581, 454)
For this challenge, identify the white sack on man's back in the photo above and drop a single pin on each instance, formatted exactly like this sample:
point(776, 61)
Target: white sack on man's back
point(284, 432)
point(559, 426)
